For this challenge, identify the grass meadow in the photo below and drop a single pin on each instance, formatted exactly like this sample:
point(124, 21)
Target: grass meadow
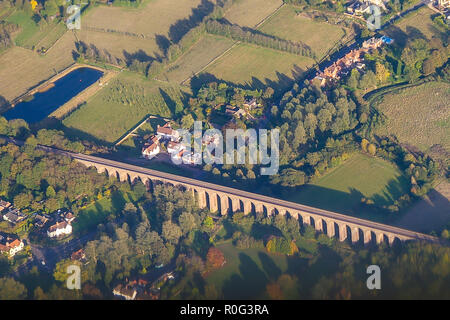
point(248, 13)
point(416, 24)
point(204, 51)
point(153, 20)
point(287, 24)
point(32, 35)
point(418, 116)
point(248, 64)
point(123, 103)
point(342, 188)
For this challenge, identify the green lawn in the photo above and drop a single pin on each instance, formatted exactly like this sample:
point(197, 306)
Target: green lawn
point(360, 176)
point(122, 104)
point(96, 213)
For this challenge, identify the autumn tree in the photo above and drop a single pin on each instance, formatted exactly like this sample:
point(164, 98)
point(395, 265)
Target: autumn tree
point(214, 259)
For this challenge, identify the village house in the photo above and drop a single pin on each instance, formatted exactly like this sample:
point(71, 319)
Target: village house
point(4, 205)
point(59, 228)
point(69, 217)
point(126, 292)
point(191, 157)
point(151, 148)
point(40, 220)
point(167, 133)
point(251, 103)
point(13, 215)
point(351, 60)
point(79, 255)
point(175, 147)
point(235, 111)
point(10, 245)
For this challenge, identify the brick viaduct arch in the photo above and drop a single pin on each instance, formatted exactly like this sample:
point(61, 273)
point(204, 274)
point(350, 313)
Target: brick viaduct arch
point(225, 200)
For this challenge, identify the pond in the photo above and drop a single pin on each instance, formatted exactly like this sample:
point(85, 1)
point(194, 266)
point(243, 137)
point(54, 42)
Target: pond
point(62, 90)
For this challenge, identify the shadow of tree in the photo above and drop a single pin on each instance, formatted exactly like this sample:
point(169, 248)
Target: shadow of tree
point(252, 283)
point(269, 267)
point(181, 27)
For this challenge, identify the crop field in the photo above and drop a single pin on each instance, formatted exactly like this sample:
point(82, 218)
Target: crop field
point(247, 64)
point(360, 176)
point(25, 69)
point(248, 13)
point(204, 51)
point(119, 29)
point(419, 116)
point(120, 106)
point(287, 24)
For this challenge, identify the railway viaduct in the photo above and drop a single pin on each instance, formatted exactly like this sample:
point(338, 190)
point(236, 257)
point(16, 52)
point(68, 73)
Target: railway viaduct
point(223, 199)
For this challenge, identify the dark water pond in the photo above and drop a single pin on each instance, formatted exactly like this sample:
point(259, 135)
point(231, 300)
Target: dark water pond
point(44, 103)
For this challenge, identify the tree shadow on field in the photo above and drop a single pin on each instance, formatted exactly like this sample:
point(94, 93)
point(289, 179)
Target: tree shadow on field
point(250, 284)
point(182, 27)
point(171, 104)
point(71, 133)
point(269, 267)
point(139, 55)
point(163, 43)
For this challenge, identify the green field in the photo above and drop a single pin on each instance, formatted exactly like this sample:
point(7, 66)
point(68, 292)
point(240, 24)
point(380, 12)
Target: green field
point(416, 24)
point(287, 24)
point(204, 51)
point(31, 34)
point(248, 13)
point(418, 116)
point(251, 65)
point(360, 176)
point(122, 104)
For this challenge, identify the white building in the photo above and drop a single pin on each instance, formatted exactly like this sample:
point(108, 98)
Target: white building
point(175, 147)
point(10, 245)
point(126, 292)
point(151, 148)
point(60, 228)
point(166, 132)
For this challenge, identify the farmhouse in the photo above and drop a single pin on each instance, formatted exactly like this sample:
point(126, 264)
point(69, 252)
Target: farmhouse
point(59, 228)
point(69, 217)
point(40, 220)
point(10, 245)
point(166, 132)
point(4, 205)
point(235, 111)
point(175, 147)
point(13, 215)
point(78, 256)
point(151, 148)
point(126, 292)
